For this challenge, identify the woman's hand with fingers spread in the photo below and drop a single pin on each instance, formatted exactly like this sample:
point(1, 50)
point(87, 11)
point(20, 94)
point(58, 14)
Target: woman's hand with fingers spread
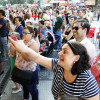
point(18, 45)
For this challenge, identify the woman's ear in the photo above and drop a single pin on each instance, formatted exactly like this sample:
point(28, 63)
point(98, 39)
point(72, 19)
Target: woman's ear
point(77, 58)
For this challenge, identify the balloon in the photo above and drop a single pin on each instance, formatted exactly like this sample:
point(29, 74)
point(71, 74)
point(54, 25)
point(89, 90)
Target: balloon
point(51, 33)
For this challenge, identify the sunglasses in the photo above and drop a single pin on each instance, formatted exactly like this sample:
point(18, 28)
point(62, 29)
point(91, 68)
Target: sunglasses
point(76, 28)
point(26, 32)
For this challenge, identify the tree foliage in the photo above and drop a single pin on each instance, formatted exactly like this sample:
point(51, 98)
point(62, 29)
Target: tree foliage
point(3, 2)
point(17, 1)
point(30, 1)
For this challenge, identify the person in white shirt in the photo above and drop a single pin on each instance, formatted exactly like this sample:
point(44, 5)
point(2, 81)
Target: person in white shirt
point(80, 30)
point(51, 12)
point(89, 15)
point(7, 12)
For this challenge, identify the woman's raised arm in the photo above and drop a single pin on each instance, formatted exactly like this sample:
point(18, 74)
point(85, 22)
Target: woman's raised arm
point(31, 54)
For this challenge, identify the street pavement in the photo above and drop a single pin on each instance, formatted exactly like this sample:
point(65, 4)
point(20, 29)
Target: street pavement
point(45, 78)
point(44, 87)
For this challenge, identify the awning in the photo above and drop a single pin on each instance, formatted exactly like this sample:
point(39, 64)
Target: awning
point(65, 4)
point(90, 2)
point(58, 1)
point(44, 5)
point(54, 1)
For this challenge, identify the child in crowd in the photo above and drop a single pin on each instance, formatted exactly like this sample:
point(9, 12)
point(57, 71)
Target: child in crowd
point(14, 36)
point(28, 22)
point(44, 47)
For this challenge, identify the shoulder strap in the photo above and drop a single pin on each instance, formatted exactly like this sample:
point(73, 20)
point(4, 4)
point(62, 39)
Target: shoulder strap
point(61, 81)
point(29, 43)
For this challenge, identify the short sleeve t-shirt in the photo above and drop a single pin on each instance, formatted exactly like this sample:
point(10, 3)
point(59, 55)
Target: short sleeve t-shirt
point(0, 54)
point(84, 85)
point(3, 29)
point(42, 30)
point(20, 30)
point(58, 23)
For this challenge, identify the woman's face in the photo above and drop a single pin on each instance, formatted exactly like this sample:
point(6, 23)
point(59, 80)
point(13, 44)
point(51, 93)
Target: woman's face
point(26, 34)
point(33, 12)
point(66, 57)
point(71, 20)
point(40, 15)
point(17, 22)
point(40, 25)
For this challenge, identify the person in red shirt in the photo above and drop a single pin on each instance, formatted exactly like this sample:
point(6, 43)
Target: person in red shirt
point(34, 15)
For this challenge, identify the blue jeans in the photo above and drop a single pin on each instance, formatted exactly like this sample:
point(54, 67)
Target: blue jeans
point(0, 54)
point(31, 88)
point(4, 46)
point(98, 17)
point(38, 67)
point(0, 59)
point(58, 36)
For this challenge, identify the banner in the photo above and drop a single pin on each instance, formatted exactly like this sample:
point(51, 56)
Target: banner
point(65, 4)
point(90, 2)
point(73, 4)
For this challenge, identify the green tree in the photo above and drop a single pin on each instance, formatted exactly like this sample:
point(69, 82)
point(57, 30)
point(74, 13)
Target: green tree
point(30, 1)
point(17, 1)
point(2, 2)
point(96, 1)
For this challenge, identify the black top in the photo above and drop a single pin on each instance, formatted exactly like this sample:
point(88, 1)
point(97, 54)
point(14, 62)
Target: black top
point(67, 33)
point(86, 20)
point(3, 29)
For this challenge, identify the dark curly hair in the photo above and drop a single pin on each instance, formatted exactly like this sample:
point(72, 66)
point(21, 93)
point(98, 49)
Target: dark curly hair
point(2, 12)
point(83, 63)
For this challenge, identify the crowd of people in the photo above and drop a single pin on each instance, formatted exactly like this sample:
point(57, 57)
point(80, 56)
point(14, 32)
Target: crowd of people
point(33, 32)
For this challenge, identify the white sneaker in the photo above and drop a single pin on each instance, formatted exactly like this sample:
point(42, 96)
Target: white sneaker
point(16, 91)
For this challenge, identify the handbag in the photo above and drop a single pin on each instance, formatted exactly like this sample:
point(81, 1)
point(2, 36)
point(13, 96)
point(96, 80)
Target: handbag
point(21, 76)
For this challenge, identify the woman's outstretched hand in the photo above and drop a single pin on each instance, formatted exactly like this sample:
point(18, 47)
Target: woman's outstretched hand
point(17, 45)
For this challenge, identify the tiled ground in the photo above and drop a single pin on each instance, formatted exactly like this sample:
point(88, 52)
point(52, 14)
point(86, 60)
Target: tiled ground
point(44, 88)
point(5, 75)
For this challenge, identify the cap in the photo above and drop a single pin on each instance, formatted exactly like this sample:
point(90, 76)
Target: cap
point(28, 20)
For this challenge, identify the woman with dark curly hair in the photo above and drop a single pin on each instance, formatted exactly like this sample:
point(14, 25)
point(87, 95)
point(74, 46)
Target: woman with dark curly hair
point(72, 79)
